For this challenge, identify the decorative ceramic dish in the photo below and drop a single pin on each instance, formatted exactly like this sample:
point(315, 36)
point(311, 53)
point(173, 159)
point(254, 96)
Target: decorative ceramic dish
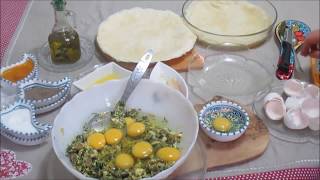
point(101, 75)
point(164, 74)
point(43, 93)
point(26, 142)
point(19, 120)
point(223, 120)
point(277, 127)
point(25, 69)
point(300, 29)
point(50, 107)
point(234, 76)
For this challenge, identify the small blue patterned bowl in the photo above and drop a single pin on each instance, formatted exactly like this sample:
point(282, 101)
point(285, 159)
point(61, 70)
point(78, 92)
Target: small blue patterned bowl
point(236, 114)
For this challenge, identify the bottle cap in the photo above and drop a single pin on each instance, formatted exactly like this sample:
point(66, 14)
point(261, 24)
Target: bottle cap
point(59, 4)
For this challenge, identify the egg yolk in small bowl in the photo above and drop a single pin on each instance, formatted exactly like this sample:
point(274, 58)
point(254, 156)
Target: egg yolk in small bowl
point(221, 124)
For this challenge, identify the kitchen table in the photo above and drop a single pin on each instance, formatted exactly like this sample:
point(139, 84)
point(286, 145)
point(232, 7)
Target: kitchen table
point(32, 32)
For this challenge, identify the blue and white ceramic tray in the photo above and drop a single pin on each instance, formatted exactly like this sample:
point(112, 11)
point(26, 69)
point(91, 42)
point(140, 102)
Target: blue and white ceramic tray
point(238, 120)
point(62, 87)
point(18, 120)
point(26, 142)
point(50, 107)
point(32, 75)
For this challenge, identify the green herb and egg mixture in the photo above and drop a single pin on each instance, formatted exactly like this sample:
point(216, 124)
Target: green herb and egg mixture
point(135, 146)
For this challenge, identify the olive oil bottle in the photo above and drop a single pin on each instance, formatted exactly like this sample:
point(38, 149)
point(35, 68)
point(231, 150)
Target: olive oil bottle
point(64, 40)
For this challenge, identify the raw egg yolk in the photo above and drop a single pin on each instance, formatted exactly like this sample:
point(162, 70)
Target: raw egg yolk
point(124, 161)
point(106, 78)
point(142, 149)
point(96, 140)
point(168, 154)
point(222, 124)
point(136, 129)
point(129, 121)
point(113, 136)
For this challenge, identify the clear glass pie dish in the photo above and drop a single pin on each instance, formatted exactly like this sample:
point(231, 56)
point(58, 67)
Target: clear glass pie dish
point(232, 74)
point(278, 128)
point(213, 37)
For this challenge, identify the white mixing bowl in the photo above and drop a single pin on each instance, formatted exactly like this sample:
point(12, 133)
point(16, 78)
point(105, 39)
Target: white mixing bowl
point(149, 96)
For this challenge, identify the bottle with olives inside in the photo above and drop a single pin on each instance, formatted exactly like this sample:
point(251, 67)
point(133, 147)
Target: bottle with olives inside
point(64, 40)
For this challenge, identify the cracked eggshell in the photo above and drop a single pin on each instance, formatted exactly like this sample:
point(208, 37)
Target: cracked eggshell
point(295, 119)
point(275, 109)
point(293, 87)
point(272, 96)
point(310, 107)
point(293, 102)
point(310, 110)
point(311, 91)
point(314, 124)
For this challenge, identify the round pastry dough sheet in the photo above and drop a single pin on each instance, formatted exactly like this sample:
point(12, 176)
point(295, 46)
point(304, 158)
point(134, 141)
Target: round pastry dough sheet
point(128, 34)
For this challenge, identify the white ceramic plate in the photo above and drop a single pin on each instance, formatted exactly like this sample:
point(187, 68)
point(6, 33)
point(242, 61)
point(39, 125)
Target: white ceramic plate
point(149, 96)
point(164, 74)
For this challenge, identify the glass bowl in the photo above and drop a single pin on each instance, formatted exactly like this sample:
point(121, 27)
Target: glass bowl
point(233, 75)
point(278, 128)
point(251, 40)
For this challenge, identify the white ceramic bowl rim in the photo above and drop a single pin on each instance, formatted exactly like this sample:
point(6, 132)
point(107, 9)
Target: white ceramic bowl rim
point(160, 68)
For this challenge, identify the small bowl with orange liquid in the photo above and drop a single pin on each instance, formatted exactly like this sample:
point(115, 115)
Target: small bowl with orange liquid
point(22, 71)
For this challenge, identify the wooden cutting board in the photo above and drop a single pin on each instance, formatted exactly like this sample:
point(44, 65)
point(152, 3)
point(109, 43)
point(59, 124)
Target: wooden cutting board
point(179, 64)
point(250, 145)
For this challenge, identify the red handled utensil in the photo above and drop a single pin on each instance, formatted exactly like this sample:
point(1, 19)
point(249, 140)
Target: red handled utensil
point(289, 32)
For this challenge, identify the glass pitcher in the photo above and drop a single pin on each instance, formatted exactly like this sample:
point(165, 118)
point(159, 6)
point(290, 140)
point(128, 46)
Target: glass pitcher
point(64, 41)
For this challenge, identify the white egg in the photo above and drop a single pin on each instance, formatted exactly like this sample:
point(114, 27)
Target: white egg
point(311, 90)
point(293, 87)
point(275, 109)
point(272, 96)
point(294, 119)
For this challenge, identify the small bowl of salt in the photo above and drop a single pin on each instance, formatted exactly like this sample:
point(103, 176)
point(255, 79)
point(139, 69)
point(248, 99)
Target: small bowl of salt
point(18, 120)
